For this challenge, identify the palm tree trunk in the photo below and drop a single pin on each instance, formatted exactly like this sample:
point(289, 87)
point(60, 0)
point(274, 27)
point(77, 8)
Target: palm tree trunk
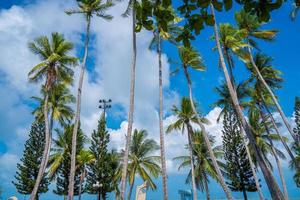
point(270, 180)
point(45, 158)
point(206, 190)
point(245, 194)
point(130, 191)
point(161, 128)
point(80, 186)
point(274, 99)
point(189, 132)
point(260, 193)
point(207, 142)
point(77, 115)
point(131, 108)
point(278, 163)
point(287, 148)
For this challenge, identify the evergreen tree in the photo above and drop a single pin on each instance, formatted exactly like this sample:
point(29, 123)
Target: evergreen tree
point(295, 147)
point(28, 168)
point(63, 144)
point(238, 169)
point(101, 171)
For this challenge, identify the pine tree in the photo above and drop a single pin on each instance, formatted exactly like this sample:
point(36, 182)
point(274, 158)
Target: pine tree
point(28, 168)
point(63, 172)
point(296, 148)
point(238, 169)
point(103, 169)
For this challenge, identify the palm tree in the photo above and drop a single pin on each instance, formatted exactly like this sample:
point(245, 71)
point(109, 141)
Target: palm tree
point(225, 102)
point(142, 161)
point(131, 8)
point(232, 41)
point(59, 102)
point(54, 69)
point(84, 158)
point(185, 118)
point(159, 35)
point(190, 58)
point(202, 163)
point(62, 150)
point(270, 180)
point(258, 106)
point(251, 24)
point(88, 8)
point(262, 132)
point(273, 79)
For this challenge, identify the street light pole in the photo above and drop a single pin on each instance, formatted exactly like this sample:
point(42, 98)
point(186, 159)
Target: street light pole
point(105, 104)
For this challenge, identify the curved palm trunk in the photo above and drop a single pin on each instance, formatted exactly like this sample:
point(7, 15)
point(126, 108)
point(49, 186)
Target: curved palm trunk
point(161, 128)
point(278, 163)
point(274, 99)
point(270, 180)
point(45, 158)
point(190, 145)
point(206, 190)
point(206, 139)
point(131, 109)
point(287, 148)
point(77, 115)
point(130, 191)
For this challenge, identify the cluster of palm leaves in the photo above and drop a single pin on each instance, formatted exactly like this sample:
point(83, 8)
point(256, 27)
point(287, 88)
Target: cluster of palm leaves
point(254, 97)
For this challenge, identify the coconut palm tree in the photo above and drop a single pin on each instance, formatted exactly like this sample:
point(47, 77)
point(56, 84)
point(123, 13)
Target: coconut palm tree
point(251, 24)
point(270, 180)
point(131, 9)
point(202, 163)
point(232, 42)
point(273, 79)
point(55, 68)
point(88, 8)
point(61, 151)
point(160, 35)
point(257, 103)
point(84, 158)
point(142, 161)
point(190, 58)
point(185, 118)
point(242, 91)
point(59, 102)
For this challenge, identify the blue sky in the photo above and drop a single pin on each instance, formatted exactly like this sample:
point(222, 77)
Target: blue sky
point(108, 77)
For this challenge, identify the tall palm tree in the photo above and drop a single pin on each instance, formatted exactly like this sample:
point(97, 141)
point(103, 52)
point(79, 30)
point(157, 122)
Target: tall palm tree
point(190, 58)
point(270, 180)
point(142, 161)
point(131, 9)
point(257, 103)
point(202, 163)
point(54, 68)
point(84, 158)
point(225, 102)
point(159, 35)
point(185, 118)
point(273, 79)
point(251, 24)
point(88, 8)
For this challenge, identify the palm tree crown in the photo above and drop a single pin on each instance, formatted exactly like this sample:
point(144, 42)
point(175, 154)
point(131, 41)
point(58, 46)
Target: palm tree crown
point(56, 62)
